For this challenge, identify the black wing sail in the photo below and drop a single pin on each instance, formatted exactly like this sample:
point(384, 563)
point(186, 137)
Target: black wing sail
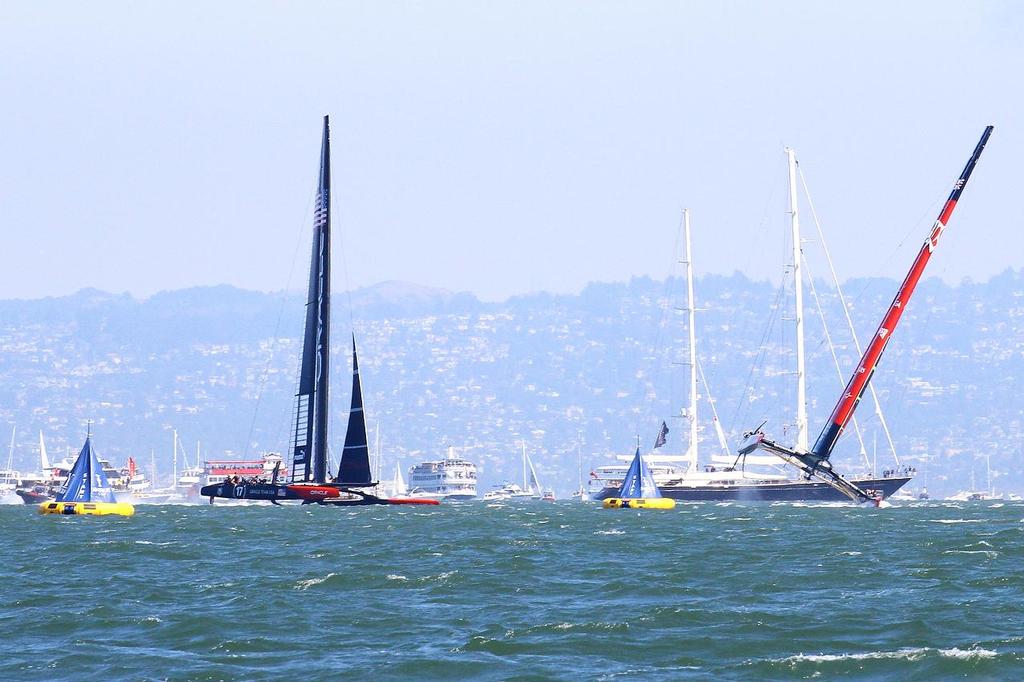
point(309, 447)
point(354, 471)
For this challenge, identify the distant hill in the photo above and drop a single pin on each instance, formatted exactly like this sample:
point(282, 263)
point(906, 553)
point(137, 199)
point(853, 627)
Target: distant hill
point(443, 368)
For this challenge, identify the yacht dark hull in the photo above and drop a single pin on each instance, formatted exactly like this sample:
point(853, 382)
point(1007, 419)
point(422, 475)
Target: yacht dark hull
point(327, 495)
point(35, 496)
point(783, 491)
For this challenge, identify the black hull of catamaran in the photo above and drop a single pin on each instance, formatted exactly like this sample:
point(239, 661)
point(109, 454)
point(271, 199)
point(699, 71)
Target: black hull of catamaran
point(784, 491)
point(327, 495)
point(267, 492)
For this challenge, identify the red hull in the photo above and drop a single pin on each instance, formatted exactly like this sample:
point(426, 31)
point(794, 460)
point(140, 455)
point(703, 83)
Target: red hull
point(313, 493)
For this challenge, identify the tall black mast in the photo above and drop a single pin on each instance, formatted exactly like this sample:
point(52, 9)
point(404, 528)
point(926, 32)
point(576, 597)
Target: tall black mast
point(309, 450)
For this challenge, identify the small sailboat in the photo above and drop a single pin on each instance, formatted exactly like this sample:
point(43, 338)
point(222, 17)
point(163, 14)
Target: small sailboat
point(398, 487)
point(86, 491)
point(814, 461)
point(531, 482)
point(638, 490)
point(581, 492)
point(309, 479)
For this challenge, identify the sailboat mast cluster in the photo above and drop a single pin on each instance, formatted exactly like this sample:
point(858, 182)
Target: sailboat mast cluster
point(851, 396)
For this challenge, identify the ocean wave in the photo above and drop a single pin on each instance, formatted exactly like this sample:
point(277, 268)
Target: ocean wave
point(987, 552)
point(312, 582)
point(909, 654)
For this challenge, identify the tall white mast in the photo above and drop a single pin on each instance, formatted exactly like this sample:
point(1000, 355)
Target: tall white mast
point(526, 484)
point(849, 322)
point(691, 412)
point(579, 461)
point(10, 453)
point(988, 473)
point(798, 292)
point(174, 479)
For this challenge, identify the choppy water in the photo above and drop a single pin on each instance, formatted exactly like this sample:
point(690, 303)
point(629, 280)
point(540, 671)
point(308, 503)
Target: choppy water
point(522, 591)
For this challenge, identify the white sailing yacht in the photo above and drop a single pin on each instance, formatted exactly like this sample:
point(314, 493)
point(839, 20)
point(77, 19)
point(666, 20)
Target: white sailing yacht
point(974, 494)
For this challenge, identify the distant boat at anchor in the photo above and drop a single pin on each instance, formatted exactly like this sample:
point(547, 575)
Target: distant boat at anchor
point(309, 479)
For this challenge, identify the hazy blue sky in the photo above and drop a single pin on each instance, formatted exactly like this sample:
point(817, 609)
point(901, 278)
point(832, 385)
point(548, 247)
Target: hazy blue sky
point(497, 147)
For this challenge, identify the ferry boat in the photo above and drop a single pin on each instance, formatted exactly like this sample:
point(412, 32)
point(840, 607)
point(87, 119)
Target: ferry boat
point(218, 471)
point(451, 478)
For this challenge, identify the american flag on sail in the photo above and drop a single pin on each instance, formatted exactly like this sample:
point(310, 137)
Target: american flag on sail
point(320, 212)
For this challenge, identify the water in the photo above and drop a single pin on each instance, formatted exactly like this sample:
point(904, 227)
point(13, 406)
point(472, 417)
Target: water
point(527, 591)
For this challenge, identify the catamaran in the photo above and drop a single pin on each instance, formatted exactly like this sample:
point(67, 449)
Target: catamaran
point(814, 462)
point(309, 477)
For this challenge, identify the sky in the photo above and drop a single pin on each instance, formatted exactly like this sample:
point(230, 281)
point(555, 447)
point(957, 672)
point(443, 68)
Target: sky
point(498, 148)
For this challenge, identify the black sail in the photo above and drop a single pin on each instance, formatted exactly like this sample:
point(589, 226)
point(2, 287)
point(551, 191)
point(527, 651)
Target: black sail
point(354, 471)
point(309, 448)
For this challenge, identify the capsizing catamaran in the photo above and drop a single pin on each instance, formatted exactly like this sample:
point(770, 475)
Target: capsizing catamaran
point(731, 477)
point(309, 481)
point(814, 462)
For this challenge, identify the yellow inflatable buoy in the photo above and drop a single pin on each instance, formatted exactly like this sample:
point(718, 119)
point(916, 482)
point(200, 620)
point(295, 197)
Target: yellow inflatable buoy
point(87, 508)
point(639, 503)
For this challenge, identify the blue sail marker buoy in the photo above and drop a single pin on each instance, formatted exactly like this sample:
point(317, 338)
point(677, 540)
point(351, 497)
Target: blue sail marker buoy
point(86, 492)
point(638, 490)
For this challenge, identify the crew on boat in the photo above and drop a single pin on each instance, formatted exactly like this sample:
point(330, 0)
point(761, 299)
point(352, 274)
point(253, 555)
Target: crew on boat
point(908, 471)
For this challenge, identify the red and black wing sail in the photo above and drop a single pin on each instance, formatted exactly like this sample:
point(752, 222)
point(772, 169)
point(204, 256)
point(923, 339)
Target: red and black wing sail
point(844, 409)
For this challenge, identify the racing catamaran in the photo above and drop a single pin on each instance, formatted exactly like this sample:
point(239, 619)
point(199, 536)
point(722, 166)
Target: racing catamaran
point(814, 462)
point(309, 479)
